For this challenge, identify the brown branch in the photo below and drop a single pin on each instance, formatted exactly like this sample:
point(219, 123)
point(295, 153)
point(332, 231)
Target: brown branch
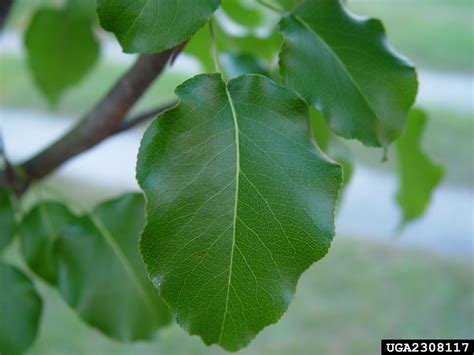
point(143, 117)
point(103, 121)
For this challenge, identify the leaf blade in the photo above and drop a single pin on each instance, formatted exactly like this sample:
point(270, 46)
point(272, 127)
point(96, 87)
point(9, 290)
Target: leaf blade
point(53, 38)
point(146, 26)
point(7, 219)
point(20, 310)
point(343, 66)
point(38, 232)
point(106, 281)
point(199, 166)
point(419, 176)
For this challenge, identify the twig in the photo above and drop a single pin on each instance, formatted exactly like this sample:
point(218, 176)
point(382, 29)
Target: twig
point(143, 117)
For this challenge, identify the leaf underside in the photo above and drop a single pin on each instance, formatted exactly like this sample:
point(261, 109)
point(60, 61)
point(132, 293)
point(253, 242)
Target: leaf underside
point(342, 65)
point(239, 203)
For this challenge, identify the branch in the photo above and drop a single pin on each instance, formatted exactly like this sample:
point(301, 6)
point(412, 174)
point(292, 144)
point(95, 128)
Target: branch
point(5, 6)
point(103, 121)
point(143, 117)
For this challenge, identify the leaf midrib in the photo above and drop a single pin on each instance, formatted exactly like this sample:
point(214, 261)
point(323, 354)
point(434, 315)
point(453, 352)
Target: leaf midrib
point(234, 222)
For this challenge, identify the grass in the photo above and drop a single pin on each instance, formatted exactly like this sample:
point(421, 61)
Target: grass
point(433, 33)
point(361, 292)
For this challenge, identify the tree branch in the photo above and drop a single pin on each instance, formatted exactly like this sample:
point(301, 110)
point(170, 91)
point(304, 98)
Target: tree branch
point(103, 121)
point(5, 6)
point(143, 117)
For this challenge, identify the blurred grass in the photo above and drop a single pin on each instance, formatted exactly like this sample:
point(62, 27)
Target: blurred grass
point(448, 140)
point(361, 292)
point(433, 33)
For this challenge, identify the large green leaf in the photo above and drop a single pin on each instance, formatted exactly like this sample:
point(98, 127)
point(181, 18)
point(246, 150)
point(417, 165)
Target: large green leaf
point(20, 311)
point(239, 203)
point(7, 219)
point(102, 276)
point(343, 66)
point(61, 49)
point(419, 176)
point(148, 26)
point(38, 231)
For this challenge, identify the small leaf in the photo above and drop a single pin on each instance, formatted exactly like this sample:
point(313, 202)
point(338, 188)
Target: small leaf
point(419, 176)
point(148, 26)
point(7, 219)
point(38, 231)
point(20, 311)
point(61, 49)
point(239, 203)
point(342, 65)
point(101, 274)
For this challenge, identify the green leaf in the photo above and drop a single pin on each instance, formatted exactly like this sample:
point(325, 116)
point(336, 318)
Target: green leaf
point(20, 311)
point(235, 64)
point(38, 231)
point(102, 276)
point(332, 145)
point(419, 176)
point(342, 65)
point(148, 26)
point(321, 132)
point(61, 49)
point(239, 203)
point(244, 13)
point(7, 219)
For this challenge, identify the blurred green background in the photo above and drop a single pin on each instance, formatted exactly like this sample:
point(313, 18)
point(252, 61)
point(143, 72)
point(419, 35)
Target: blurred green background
point(363, 290)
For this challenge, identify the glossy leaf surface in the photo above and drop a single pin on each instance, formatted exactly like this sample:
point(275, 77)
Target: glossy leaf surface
point(61, 49)
point(239, 203)
point(419, 176)
point(7, 219)
point(342, 65)
point(20, 311)
point(101, 274)
point(148, 26)
point(38, 231)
